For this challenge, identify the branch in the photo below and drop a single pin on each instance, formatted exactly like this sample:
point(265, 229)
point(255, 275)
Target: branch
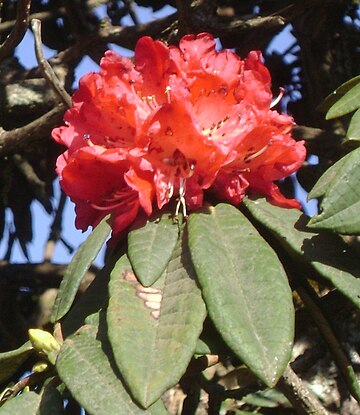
point(301, 132)
point(27, 381)
point(18, 31)
point(304, 402)
point(311, 301)
point(42, 275)
point(31, 135)
point(56, 229)
point(38, 185)
point(125, 36)
point(132, 11)
point(45, 67)
point(46, 15)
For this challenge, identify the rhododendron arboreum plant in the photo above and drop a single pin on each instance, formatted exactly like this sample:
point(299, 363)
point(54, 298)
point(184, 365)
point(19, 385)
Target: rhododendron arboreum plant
point(165, 148)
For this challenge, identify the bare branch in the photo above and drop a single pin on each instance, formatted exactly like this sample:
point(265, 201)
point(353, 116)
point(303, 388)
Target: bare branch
point(132, 11)
point(45, 67)
point(125, 36)
point(31, 135)
point(56, 229)
point(299, 395)
point(46, 15)
point(18, 31)
point(32, 178)
point(40, 275)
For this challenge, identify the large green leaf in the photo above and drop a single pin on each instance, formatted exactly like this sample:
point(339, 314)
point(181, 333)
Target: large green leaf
point(324, 253)
point(77, 269)
point(153, 331)
point(353, 132)
point(151, 244)
point(11, 361)
point(210, 341)
point(339, 92)
point(245, 289)
point(88, 373)
point(349, 102)
point(51, 402)
point(325, 181)
point(25, 404)
point(90, 302)
point(341, 201)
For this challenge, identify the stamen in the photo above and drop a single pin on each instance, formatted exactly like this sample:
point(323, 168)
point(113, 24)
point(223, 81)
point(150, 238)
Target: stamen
point(86, 137)
point(170, 191)
point(167, 93)
point(192, 169)
point(152, 99)
point(258, 153)
point(181, 199)
point(278, 98)
point(124, 197)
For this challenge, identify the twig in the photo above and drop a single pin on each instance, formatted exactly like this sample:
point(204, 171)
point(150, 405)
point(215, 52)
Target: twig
point(32, 178)
point(55, 232)
point(132, 11)
point(29, 380)
point(31, 135)
point(201, 363)
point(33, 275)
point(18, 31)
point(125, 36)
point(46, 15)
point(303, 401)
point(45, 67)
point(311, 302)
point(10, 244)
point(184, 10)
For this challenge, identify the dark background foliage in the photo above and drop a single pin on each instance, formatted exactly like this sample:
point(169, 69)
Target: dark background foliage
point(324, 54)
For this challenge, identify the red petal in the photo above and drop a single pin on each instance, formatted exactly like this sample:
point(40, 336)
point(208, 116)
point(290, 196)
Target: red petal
point(230, 187)
point(195, 47)
point(152, 61)
point(254, 87)
point(142, 183)
point(123, 217)
point(86, 215)
point(91, 176)
point(274, 196)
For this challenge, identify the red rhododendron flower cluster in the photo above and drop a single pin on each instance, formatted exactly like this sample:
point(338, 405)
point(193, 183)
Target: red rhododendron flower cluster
point(174, 123)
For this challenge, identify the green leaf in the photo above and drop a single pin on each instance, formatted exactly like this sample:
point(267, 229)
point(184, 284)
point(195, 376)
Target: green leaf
point(210, 341)
point(24, 404)
point(51, 402)
point(341, 200)
point(151, 244)
point(325, 181)
point(153, 331)
point(323, 253)
point(339, 92)
point(353, 132)
point(269, 398)
point(91, 301)
point(77, 269)
point(11, 361)
point(88, 374)
point(245, 289)
point(349, 102)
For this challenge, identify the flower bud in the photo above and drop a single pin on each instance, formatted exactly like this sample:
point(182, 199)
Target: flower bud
point(40, 366)
point(44, 342)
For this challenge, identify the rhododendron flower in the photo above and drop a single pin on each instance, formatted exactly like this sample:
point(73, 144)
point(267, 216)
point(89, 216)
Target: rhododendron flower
point(176, 122)
point(102, 181)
